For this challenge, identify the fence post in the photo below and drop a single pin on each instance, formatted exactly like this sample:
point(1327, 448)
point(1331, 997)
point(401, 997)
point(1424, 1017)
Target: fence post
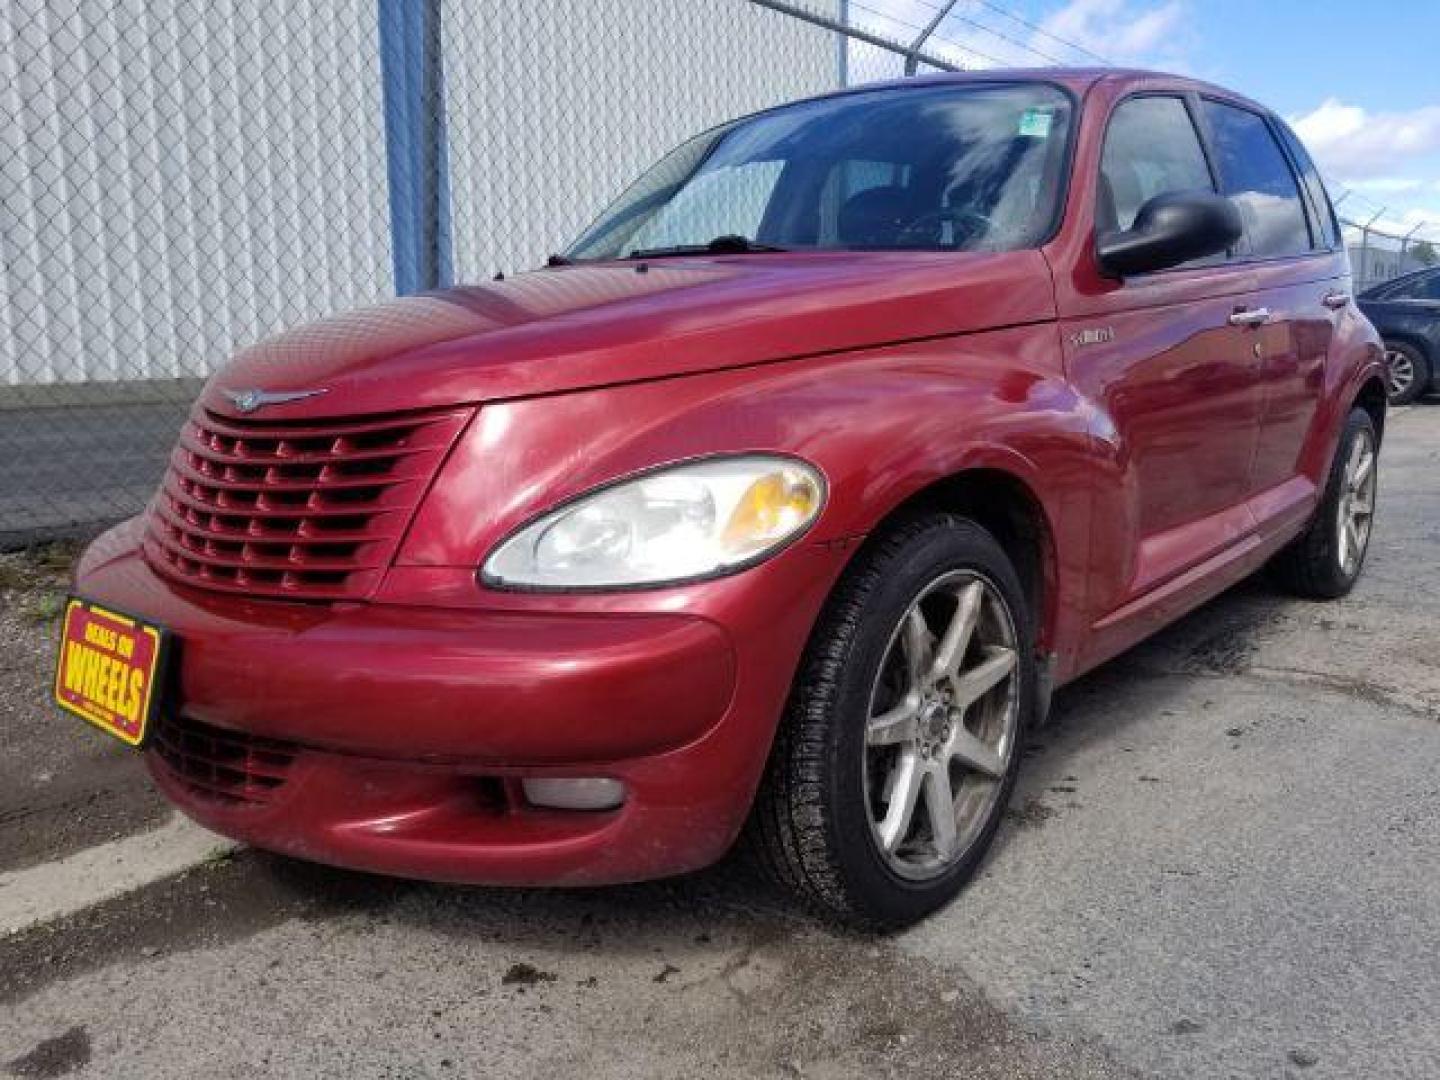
point(1365, 248)
point(912, 61)
point(1405, 244)
point(842, 43)
point(412, 79)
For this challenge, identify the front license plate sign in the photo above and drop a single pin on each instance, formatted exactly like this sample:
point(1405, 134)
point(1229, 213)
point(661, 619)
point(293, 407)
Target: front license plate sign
point(109, 669)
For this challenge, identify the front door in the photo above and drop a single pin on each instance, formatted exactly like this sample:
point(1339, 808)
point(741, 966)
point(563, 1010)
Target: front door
point(1168, 359)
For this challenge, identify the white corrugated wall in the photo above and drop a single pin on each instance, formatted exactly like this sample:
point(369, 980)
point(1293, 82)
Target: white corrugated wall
point(181, 177)
point(554, 107)
point(178, 177)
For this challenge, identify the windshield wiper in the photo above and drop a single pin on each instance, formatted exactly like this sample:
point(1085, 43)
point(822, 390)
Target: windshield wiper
point(729, 244)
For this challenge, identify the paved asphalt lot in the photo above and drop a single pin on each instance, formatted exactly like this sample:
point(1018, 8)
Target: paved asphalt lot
point(1224, 860)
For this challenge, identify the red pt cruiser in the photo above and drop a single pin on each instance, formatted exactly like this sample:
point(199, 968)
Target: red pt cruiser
point(776, 506)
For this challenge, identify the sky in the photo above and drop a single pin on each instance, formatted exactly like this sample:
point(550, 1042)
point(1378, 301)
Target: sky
point(1359, 79)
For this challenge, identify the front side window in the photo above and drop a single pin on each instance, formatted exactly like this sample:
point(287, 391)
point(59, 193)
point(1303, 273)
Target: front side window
point(1257, 178)
point(941, 168)
point(1151, 148)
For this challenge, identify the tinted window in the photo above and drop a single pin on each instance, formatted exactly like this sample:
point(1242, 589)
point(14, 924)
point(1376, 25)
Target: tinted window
point(1329, 227)
point(941, 168)
point(1151, 148)
point(1257, 178)
point(730, 199)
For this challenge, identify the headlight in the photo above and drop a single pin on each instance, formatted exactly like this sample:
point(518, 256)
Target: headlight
point(676, 524)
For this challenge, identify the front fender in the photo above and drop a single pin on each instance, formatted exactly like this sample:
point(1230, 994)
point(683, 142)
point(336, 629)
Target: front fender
point(882, 425)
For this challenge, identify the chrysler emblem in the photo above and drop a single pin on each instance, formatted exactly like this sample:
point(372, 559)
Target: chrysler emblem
point(247, 401)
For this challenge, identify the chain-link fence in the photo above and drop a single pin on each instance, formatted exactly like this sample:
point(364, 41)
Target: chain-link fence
point(1376, 255)
point(180, 178)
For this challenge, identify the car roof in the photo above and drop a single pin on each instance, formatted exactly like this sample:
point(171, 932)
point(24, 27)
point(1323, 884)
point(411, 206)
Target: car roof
point(1076, 79)
point(1373, 292)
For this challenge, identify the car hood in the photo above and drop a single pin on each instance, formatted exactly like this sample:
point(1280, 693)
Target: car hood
point(601, 324)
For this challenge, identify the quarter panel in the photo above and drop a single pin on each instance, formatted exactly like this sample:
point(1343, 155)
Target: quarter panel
point(1295, 349)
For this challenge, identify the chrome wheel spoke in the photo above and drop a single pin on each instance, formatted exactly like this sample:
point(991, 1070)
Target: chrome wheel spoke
point(1363, 468)
point(916, 640)
point(940, 806)
point(974, 684)
point(973, 752)
point(896, 725)
point(902, 791)
point(956, 641)
point(1401, 372)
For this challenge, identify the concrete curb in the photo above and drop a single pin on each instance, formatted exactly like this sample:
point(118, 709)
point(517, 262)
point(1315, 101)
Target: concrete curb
point(51, 891)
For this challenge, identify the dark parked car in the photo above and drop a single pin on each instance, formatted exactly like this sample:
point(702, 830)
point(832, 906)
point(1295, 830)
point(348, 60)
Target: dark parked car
point(1406, 311)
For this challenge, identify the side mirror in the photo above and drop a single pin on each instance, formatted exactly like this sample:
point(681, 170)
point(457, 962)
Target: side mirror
point(1171, 229)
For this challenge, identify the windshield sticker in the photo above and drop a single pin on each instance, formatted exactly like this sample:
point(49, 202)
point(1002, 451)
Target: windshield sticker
point(1035, 123)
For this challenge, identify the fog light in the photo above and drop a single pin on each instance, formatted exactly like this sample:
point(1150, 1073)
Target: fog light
point(577, 793)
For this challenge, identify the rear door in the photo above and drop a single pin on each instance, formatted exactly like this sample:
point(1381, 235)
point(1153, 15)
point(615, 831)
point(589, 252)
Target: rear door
point(1302, 290)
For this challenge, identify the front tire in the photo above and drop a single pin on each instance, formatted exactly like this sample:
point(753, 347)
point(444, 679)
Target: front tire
point(901, 742)
point(1407, 372)
point(1325, 561)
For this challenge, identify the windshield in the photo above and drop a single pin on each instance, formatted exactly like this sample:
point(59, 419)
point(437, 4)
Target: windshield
point(940, 168)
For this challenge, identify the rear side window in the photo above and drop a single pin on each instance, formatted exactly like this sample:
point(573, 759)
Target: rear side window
point(1328, 227)
point(1257, 178)
point(1151, 148)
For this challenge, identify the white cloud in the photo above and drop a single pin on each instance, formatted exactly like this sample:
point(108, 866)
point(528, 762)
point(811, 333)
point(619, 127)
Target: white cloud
point(1353, 144)
point(1423, 222)
point(1123, 32)
point(1396, 184)
point(1417, 222)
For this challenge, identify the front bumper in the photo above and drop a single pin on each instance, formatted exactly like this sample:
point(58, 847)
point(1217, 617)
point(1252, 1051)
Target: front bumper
point(405, 730)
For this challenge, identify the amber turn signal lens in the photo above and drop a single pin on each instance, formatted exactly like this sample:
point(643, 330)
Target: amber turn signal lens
point(773, 506)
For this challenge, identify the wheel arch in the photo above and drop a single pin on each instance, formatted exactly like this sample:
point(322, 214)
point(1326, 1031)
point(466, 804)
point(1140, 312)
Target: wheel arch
point(1007, 507)
point(1372, 398)
point(1415, 339)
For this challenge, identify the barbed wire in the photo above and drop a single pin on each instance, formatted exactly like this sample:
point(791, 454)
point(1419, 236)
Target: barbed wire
point(932, 40)
point(1009, 14)
point(954, 15)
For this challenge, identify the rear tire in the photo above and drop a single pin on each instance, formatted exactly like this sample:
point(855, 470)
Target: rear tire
point(1407, 372)
point(1325, 561)
point(915, 693)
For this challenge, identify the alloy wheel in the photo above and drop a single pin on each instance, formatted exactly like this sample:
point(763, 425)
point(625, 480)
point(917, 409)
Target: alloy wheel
point(942, 723)
point(1399, 372)
point(1357, 503)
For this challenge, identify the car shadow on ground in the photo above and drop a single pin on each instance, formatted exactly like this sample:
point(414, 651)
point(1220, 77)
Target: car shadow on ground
point(1212, 640)
point(1103, 712)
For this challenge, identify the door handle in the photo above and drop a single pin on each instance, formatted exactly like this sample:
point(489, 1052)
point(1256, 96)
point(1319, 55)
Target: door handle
point(1250, 317)
point(1335, 300)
